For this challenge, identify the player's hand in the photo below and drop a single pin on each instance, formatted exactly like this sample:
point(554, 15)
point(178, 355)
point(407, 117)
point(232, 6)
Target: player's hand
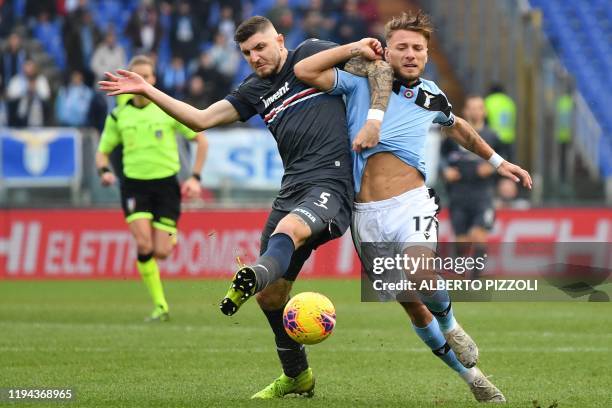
point(107, 178)
point(515, 173)
point(484, 170)
point(451, 174)
point(368, 136)
point(191, 188)
point(125, 82)
point(370, 48)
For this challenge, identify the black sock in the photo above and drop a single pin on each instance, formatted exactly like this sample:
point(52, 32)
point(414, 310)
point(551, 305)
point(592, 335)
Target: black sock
point(273, 263)
point(142, 258)
point(292, 354)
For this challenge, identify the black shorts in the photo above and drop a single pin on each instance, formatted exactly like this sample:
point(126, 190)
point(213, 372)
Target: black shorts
point(158, 200)
point(466, 215)
point(326, 208)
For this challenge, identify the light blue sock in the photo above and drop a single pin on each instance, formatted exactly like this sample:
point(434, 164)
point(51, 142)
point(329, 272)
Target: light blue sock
point(439, 305)
point(433, 337)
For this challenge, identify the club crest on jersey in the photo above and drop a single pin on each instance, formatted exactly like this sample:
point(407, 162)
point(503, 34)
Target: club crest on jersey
point(428, 98)
point(409, 93)
point(159, 133)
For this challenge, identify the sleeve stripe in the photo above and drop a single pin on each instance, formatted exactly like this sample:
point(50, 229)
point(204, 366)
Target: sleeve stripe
point(333, 88)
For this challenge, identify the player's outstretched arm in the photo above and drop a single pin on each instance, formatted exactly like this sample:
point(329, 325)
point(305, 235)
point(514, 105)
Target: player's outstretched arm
point(464, 134)
point(127, 82)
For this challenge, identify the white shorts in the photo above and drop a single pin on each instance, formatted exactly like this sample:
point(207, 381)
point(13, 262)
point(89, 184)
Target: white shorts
point(390, 226)
point(409, 218)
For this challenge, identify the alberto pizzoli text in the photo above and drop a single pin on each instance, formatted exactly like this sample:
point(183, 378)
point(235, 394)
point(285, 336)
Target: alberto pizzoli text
point(509, 285)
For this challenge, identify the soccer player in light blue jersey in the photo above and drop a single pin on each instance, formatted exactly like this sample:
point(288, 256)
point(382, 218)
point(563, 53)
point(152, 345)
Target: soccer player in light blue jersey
point(392, 202)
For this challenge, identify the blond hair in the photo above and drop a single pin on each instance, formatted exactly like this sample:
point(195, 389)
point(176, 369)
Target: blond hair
point(418, 22)
point(141, 60)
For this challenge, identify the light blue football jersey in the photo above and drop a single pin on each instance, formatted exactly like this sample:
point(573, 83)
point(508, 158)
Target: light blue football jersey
point(410, 113)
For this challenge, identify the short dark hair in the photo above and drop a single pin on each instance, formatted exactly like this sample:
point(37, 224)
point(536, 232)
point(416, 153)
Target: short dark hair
point(418, 22)
point(250, 26)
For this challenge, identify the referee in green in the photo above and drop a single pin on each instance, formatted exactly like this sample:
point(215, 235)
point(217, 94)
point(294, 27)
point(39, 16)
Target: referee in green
point(150, 193)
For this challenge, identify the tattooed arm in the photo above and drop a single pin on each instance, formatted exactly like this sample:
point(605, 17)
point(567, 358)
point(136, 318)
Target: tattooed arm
point(317, 70)
point(364, 60)
point(380, 79)
point(464, 134)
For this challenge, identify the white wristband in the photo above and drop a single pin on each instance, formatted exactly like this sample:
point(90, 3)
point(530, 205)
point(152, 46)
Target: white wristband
point(496, 160)
point(376, 114)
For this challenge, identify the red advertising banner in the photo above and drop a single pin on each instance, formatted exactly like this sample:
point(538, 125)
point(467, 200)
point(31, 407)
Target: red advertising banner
point(95, 244)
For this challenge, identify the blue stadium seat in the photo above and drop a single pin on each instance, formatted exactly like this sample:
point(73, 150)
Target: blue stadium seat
point(581, 32)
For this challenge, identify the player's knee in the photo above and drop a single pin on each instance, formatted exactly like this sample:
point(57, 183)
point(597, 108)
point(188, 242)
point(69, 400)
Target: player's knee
point(478, 235)
point(144, 245)
point(162, 253)
point(296, 228)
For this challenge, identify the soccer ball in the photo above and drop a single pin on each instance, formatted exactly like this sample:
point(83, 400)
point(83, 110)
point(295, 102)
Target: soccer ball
point(309, 318)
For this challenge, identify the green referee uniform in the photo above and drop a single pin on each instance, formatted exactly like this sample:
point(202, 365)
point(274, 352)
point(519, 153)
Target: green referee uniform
point(150, 189)
point(150, 162)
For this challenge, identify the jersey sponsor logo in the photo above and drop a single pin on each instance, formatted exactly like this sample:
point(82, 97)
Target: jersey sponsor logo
point(280, 92)
point(290, 101)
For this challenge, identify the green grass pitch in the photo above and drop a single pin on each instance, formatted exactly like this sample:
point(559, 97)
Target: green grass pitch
point(90, 336)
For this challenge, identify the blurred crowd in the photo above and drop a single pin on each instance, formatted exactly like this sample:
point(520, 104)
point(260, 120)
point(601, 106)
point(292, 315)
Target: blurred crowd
point(54, 51)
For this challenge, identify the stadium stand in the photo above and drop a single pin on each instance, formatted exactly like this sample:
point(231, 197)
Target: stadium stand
point(581, 33)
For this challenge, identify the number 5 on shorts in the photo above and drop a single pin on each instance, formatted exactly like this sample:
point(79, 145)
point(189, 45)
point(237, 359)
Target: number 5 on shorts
point(323, 200)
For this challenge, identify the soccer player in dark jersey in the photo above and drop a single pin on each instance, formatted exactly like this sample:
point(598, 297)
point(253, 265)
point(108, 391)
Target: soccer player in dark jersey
point(150, 192)
point(470, 182)
point(316, 195)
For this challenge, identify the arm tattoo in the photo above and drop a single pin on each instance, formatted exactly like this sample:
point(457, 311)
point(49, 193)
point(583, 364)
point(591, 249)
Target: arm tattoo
point(357, 66)
point(380, 78)
point(471, 140)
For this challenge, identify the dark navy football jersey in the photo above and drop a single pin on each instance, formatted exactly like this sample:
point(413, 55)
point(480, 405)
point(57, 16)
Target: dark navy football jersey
point(309, 125)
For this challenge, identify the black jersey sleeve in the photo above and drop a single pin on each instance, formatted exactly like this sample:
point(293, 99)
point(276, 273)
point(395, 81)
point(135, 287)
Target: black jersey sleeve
point(312, 46)
point(240, 102)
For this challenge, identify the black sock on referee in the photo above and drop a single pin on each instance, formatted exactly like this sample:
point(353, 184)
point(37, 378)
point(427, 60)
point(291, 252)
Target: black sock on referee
point(273, 263)
point(292, 354)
